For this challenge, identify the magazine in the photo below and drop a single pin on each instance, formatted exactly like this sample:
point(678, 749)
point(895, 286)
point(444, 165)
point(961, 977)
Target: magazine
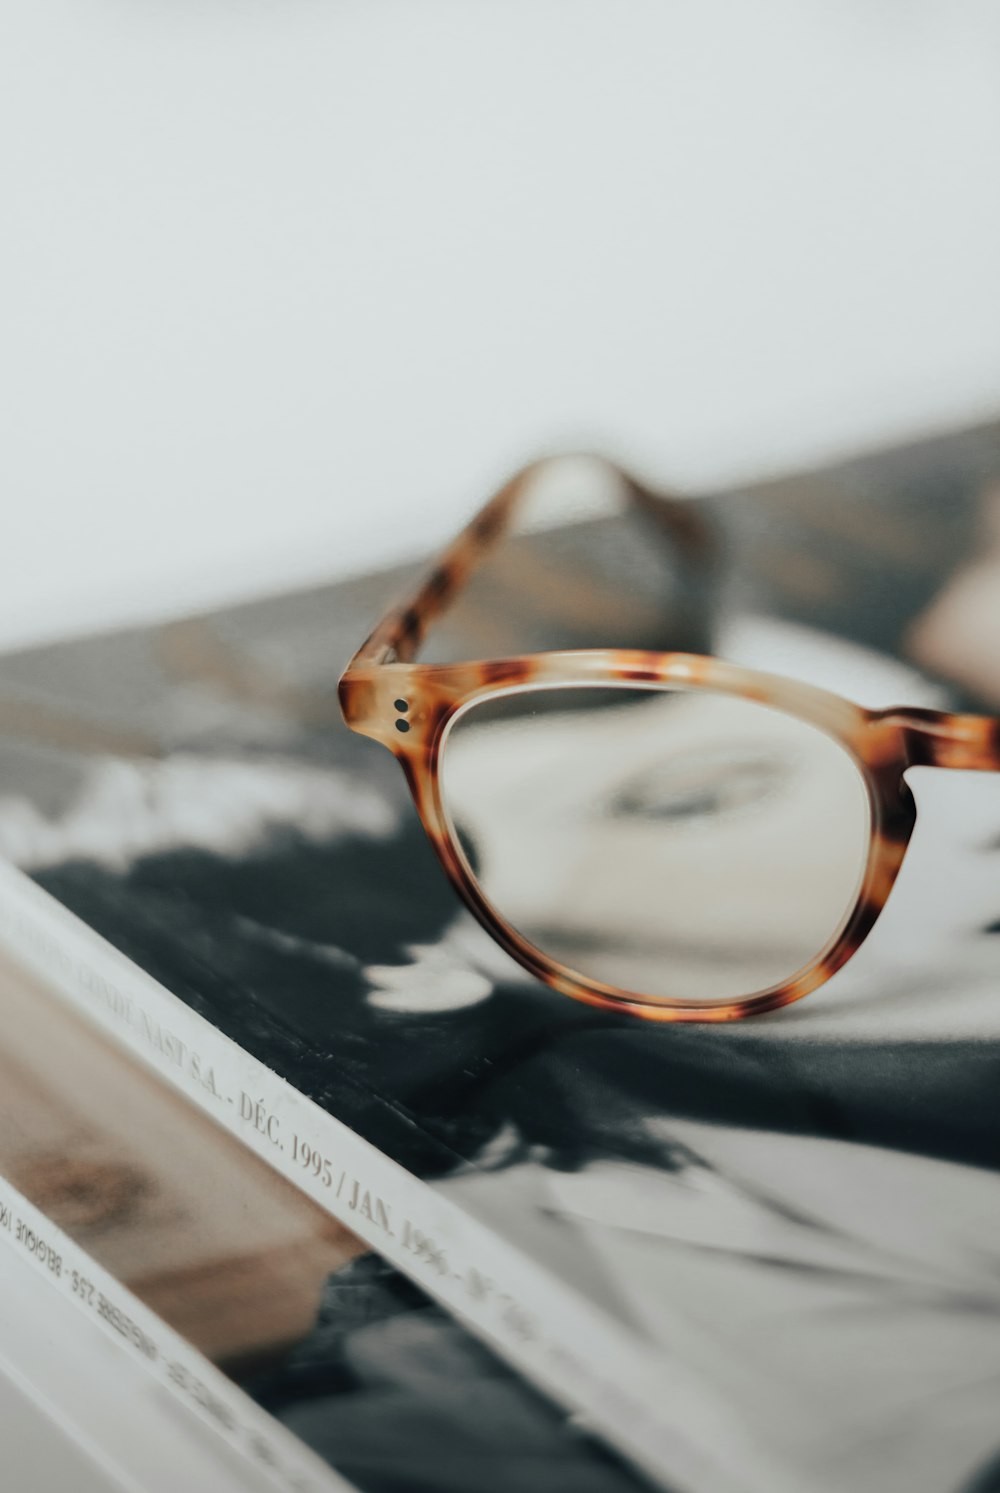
point(268, 1347)
point(758, 1255)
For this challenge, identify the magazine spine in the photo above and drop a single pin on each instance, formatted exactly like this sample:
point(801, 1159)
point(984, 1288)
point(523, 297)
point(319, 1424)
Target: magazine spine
point(161, 1352)
point(652, 1406)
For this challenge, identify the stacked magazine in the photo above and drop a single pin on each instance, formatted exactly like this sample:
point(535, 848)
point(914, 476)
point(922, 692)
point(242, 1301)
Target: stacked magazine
point(265, 1346)
point(753, 1256)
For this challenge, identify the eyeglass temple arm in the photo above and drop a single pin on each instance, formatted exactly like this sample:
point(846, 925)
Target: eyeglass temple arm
point(935, 738)
point(398, 637)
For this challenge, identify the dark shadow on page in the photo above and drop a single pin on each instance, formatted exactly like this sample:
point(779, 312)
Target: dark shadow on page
point(247, 943)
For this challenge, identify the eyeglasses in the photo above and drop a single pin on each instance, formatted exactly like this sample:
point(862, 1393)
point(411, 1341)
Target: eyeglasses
point(665, 834)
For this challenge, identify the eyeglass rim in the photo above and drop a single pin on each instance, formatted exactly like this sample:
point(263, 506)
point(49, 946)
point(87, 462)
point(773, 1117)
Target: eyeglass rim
point(881, 745)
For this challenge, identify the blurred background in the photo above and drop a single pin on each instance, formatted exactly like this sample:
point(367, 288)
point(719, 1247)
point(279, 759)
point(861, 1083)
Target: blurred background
point(286, 286)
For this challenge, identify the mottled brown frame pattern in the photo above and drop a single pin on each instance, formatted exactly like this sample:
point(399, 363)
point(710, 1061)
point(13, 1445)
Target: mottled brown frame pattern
point(409, 707)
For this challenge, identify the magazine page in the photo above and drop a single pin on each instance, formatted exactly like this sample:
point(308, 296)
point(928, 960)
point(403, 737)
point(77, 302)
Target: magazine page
point(795, 1207)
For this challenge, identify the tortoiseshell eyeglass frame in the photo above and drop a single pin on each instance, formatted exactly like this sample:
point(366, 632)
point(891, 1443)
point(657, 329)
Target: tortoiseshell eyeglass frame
point(407, 707)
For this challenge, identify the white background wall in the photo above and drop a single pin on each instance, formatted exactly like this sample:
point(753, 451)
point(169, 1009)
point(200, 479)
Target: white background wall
point(286, 284)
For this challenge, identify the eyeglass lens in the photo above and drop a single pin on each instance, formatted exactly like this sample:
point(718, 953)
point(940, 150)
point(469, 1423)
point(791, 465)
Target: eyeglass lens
point(673, 844)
